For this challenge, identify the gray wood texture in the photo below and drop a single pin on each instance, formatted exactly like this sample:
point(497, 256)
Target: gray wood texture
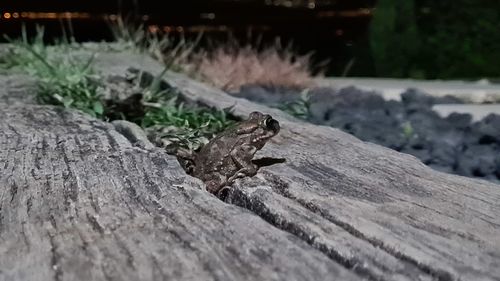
point(80, 201)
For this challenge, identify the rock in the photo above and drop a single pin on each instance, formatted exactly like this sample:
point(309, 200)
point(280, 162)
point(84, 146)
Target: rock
point(267, 95)
point(415, 100)
point(447, 99)
point(352, 97)
point(444, 155)
point(459, 120)
point(395, 110)
point(478, 161)
point(320, 104)
point(497, 169)
point(356, 112)
point(489, 129)
point(425, 121)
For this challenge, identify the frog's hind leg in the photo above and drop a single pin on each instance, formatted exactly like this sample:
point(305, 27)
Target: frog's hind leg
point(212, 187)
point(242, 157)
point(215, 183)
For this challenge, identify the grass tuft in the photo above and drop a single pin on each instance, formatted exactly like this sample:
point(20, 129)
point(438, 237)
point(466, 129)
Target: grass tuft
point(62, 79)
point(72, 82)
point(184, 126)
point(174, 53)
point(177, 123)
point(127, 34)
point(300, 108)
point(168, 120)
point(231, 66)
point(408, 131)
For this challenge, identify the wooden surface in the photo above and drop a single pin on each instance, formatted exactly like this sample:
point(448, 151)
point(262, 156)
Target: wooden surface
point(78, 201)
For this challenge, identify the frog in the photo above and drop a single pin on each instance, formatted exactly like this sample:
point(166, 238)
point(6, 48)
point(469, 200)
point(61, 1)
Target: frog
point(228, 156)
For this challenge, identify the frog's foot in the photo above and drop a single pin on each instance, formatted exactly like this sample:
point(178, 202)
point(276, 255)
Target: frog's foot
point(215, 182)
point(223, 192)
point(248, 171)
point(213, 186)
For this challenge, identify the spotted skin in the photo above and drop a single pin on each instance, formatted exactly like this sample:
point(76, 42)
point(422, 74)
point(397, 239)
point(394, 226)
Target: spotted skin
point(229, 155)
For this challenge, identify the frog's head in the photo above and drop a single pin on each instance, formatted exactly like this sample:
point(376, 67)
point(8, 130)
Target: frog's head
point(269, 127)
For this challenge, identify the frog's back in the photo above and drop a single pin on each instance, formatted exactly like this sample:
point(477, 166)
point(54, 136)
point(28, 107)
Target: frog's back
point(214, 157)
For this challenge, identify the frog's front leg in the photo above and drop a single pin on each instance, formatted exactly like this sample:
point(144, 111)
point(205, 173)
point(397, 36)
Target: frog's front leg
point(242, 157)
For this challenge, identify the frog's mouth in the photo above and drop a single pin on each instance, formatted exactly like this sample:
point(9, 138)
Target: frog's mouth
point(272, 125)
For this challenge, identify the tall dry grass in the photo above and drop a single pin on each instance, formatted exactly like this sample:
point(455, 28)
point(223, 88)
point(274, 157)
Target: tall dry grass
point(229, 68)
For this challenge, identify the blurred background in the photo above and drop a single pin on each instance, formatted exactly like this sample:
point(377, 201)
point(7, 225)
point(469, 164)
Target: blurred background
point(421, 39)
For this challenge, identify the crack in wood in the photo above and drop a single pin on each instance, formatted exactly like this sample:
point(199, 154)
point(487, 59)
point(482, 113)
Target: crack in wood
point(441, 275)
point(95, 224)
point(238, 198)
point(279, 188)
point(54, 261)
point(13, 191)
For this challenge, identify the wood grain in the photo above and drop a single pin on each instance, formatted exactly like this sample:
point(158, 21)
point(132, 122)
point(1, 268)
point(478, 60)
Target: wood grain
point(79, 201)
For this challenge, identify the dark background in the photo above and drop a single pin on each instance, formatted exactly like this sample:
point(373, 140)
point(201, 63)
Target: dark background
point(386, 38)
point(332, 36)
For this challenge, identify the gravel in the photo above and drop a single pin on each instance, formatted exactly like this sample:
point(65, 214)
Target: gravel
point(453, 144)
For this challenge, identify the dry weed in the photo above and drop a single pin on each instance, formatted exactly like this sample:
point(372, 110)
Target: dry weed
point(229, 68)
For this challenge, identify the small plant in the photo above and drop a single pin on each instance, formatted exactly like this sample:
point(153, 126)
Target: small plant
point(299, 108)
point(63, 79)
point(130, 36)
point(71, 86)
point(185, 126)
point(173, 53)
point(168, 120)
point(71, 82)
point(408, 130)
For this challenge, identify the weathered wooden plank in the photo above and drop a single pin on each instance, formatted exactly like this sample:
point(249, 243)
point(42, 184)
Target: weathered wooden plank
point(79, 202)
point(381, 213)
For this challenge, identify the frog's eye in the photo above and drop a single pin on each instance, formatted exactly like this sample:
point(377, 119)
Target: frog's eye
point(263, 121)
point(266, 121)
point(271, 124)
